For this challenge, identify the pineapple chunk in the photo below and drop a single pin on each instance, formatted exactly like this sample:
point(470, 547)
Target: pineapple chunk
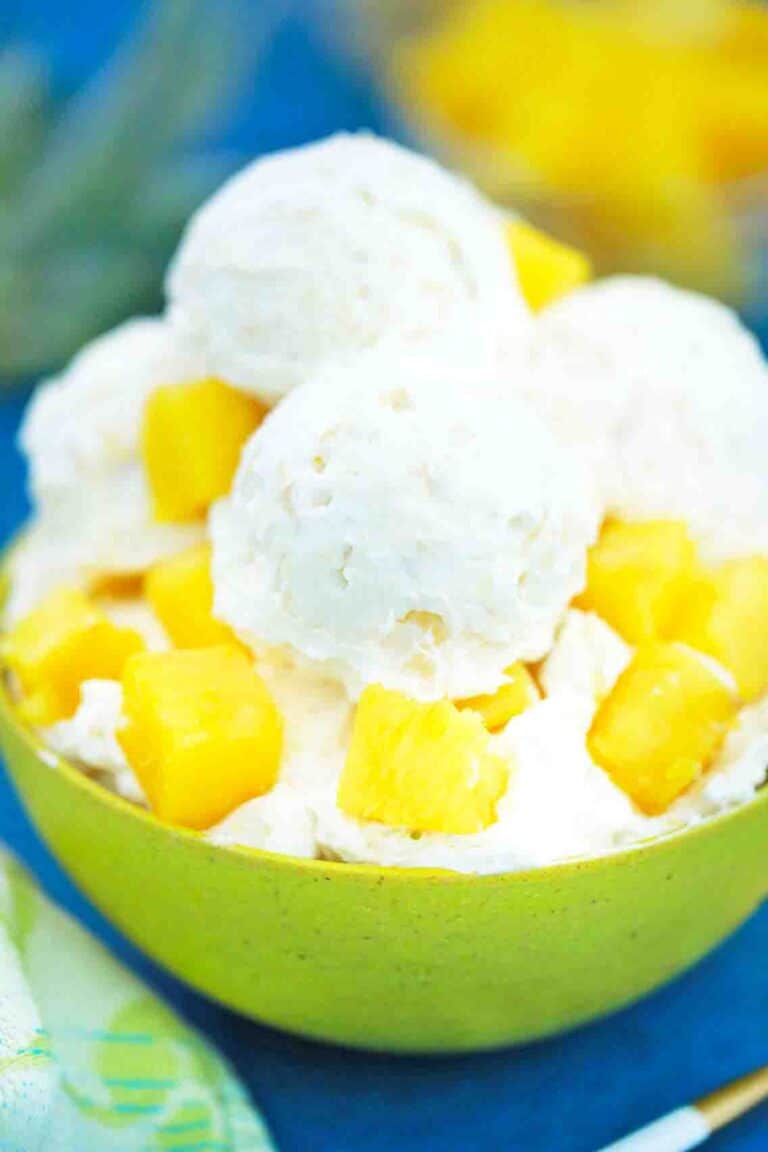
point(425, 767)
point(546, 268)
point(665, 719)
point(637, 577)
point(726, 616)
point(62, 643)
point(117, 586)
point(192, 437)
point(514, 697)
point(202, 733)
point(180, 591)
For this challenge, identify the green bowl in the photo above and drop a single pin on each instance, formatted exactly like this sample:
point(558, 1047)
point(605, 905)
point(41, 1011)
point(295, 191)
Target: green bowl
point(394, 959)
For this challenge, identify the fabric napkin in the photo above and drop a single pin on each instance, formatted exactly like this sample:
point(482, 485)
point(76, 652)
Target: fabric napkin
point(90, 1060)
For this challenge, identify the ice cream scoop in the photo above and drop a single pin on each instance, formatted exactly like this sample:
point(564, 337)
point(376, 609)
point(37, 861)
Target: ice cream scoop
point(81, 438)
point(664, 394)
point(313, 254)
point(406, 522)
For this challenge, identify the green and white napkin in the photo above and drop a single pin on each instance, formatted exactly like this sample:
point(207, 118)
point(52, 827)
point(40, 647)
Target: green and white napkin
point(90, 1060)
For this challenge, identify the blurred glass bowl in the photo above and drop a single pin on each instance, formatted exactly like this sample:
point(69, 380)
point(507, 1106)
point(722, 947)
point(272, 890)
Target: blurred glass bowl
point(701, 233)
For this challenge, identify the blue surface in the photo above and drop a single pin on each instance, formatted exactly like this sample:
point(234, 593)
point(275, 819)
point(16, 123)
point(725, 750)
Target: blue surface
point(569, 1095)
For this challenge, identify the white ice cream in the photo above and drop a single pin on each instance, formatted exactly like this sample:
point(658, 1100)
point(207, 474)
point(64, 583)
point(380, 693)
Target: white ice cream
point(81, 438)
point(588, 657)
point(560, 805)
point(45, 558)
point(665, 395)
point(401, 523)
point(138, 615)
point(283, 821)
point(404, 517)
point(312, 255)
point(740, 769)
point(317, 718)
point(90, 737)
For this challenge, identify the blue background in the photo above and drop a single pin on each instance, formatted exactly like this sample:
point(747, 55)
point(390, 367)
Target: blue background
point(572, 1094)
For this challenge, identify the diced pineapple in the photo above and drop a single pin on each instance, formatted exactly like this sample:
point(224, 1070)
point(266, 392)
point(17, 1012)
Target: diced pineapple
point(62, 643)
point(117, 586)
point(180, 591)
point(546, 268)
point(659, 728)
point(514, 697)
point(425, 767)
point(638, 575)
point(202, 733)
point(192, 437)
point(726, 616)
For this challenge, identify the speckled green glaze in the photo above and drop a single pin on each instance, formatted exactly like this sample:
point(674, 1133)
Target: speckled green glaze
point(403, 961)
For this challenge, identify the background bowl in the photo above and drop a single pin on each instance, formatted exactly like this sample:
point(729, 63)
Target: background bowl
point(708, 232)
point(392, 959)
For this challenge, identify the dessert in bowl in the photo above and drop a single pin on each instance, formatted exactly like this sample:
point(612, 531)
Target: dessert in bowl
point(386, 654)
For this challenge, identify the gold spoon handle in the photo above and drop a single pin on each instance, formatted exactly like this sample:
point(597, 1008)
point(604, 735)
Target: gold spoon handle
point(727, 1104)
point(690, 1127)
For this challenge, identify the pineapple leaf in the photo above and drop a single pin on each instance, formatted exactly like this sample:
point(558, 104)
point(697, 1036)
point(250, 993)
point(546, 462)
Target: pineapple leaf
point(92, 201)
point(24, 113)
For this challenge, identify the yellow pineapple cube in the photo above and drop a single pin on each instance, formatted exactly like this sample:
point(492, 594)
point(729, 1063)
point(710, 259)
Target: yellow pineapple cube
point(546, 268)
point(657, 731)
point(514, 697)
point(192, 437)
point(202, 732)
point(425, 767)
point(637, 577)
point(180, 591)
point(63, 642)
point(726, 616)
point(117, 586)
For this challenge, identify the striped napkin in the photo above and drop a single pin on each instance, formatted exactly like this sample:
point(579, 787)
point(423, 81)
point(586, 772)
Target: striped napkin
point(90, 1059)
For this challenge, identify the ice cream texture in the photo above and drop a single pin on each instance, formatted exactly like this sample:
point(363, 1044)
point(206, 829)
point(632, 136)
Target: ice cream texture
point(312, 255)
point(664, 394)
point(90, 737)
point(81, 439)
point(559, 804)
point(407, 524)
point(489, 589)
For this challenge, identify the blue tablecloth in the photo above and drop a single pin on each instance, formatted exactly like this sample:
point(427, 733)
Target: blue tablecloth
point(567, 1095)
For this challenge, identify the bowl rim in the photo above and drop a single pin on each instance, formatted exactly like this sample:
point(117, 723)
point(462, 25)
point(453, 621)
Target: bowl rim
point(11, 722)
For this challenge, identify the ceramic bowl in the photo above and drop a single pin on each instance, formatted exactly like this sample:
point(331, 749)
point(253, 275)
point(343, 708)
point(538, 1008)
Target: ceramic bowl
point(393, 959)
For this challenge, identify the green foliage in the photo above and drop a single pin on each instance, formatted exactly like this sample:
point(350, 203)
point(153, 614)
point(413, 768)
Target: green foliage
point(93, 195)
